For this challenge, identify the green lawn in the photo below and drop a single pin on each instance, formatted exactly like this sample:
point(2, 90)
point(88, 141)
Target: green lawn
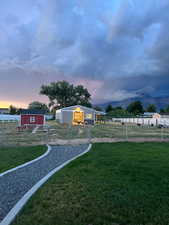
point(114, 184)
point(11, 157)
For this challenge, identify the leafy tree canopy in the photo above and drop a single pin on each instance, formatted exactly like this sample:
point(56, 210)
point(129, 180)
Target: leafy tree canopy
point(135, 108)
point(38, 105)
point(119, 113)
point(167, 109)
point(151, 108)
point(62, 94)
point(12, 110)
point(162, 110)
point(109, 108)
point(118, 108)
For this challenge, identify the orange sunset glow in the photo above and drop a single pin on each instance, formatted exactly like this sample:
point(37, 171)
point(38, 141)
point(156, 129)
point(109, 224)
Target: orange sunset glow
point(6, 104)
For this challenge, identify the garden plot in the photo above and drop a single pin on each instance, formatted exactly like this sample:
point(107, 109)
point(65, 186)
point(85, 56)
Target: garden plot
point(116, 130)
point(11, 136)
point(55, 133)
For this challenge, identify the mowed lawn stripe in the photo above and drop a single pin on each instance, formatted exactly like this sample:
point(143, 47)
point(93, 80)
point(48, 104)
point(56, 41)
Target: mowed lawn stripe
point(119, 183)
point(11, 157)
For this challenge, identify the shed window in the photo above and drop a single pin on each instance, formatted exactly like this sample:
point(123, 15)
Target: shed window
point(32, 119)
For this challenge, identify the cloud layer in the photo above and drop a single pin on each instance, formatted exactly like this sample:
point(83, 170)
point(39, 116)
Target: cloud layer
point(118, 49)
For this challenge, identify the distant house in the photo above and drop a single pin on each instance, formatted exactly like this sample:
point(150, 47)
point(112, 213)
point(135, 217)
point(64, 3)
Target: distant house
point(4, 111)
point(156, 115)
point(78, 115)
point(164, 115)
point(152, 115)
point(32, 117)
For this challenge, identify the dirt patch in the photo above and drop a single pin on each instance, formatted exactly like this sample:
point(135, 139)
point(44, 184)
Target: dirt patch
point(106, 140)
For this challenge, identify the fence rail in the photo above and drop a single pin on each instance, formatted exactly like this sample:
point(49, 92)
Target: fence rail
point(55, 133)
point(143, 121)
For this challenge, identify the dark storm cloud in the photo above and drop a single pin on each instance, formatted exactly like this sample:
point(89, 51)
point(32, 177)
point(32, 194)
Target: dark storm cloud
point(120, 47)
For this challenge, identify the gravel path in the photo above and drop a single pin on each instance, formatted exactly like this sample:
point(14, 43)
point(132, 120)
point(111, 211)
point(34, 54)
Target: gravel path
point(15, 184)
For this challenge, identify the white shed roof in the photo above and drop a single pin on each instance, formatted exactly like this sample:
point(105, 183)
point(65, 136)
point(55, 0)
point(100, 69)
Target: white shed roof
point(83, 107)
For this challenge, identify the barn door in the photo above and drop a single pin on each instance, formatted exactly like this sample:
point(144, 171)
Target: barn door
point(78, 118)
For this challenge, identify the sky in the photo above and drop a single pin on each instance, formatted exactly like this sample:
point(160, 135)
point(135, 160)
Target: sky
point(117, 49)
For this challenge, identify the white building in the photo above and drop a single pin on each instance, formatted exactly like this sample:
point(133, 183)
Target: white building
point(4, 111)
point(78, 115)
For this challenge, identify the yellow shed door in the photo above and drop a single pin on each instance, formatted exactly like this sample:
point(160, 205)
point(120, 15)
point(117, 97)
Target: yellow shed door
point(78, 118)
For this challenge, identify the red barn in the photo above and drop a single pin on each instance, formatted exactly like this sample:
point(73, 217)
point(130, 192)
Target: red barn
point(32, 117)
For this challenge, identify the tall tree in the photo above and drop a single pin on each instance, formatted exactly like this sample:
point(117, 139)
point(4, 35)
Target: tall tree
point(135, 108)
point(151, 108)
point(167, 109)
point(12, 110)
point(109, 108)
point(18, 111)
point(118, 112)
point(81, 96)
point(162, 110)
point(118, 108)
point(62, 94)
point(38, 105)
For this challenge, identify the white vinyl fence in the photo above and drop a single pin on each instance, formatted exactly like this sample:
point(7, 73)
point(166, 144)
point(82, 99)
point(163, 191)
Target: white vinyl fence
point(9, 118)
point(15, 118)
point(143, 121)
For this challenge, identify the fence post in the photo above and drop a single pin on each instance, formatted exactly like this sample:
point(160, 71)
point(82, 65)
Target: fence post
point(123, 130)
point(126, 133)
point(88, 129)
point(69, 134)
point(162, 135)
point(47, 136)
